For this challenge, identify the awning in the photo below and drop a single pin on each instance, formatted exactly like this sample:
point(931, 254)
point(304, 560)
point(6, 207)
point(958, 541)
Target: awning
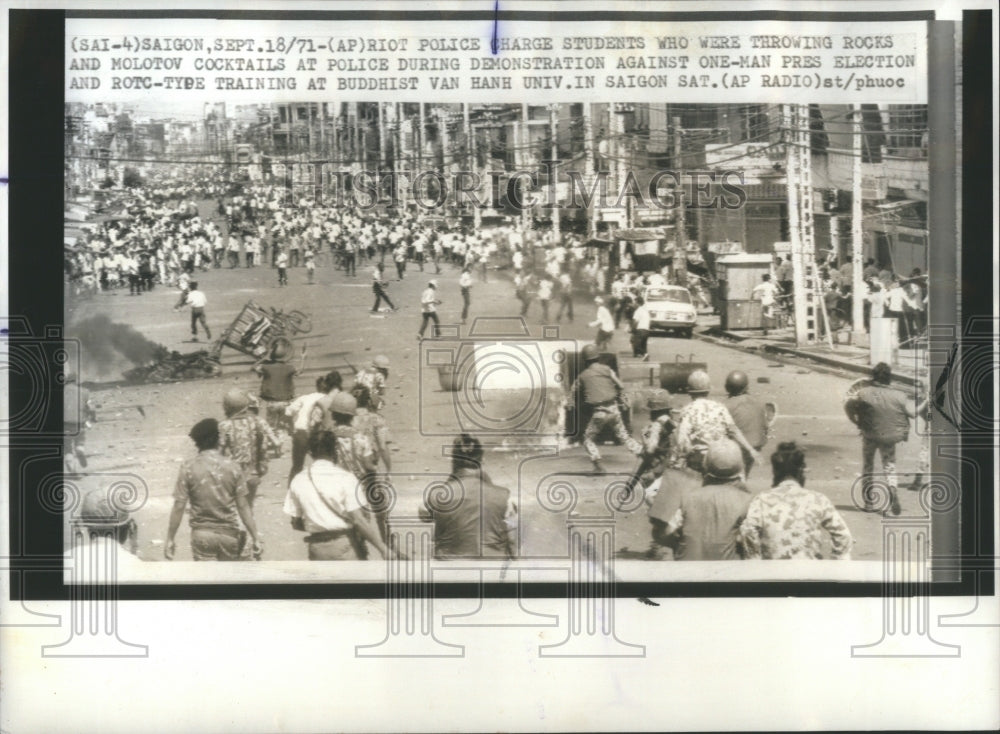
point(641, 234)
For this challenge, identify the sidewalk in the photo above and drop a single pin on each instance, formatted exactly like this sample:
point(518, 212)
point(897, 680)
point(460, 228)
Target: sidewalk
point(848, 357)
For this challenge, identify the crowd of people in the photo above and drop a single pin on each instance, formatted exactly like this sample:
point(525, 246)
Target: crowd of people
point(692, 461)
point(886, 294)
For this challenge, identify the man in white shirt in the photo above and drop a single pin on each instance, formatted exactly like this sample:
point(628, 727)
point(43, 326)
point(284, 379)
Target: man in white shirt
point(197, 301)
point(282, 263)
point(379, 284)
point(465, 283)
point(896, 301)
point(323, 501)
point(544, 296)
point(251, 246)
point(605, 324)
point(428, 307)
point(765, 292)
point(640, 332)
point(565, 297)
point(300, 411)
point(875, 300)
point(234, 250)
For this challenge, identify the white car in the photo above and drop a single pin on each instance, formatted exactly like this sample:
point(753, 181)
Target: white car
point(670, 309)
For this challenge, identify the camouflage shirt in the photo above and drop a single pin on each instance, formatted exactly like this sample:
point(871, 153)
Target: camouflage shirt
point(701, 423)
point(244, 439)
point(354, 451)
point(375, 382)
point(790, 521)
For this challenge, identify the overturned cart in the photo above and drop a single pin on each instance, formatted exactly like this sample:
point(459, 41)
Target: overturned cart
point(257, 330)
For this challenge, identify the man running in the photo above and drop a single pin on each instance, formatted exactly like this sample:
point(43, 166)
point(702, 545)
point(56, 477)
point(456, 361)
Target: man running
point(197, 301)
point(379, 284)
point(465, 283)
point(428, 305)
point(598, 391)
point(605, 324)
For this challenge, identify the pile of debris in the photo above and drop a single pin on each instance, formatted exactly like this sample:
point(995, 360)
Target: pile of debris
point(169, 366)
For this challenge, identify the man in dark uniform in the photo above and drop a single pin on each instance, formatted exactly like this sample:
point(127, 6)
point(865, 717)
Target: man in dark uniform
point(277, 385)
point(600, 391)
point(704, 527)
point(748, 414)
point(483, 522)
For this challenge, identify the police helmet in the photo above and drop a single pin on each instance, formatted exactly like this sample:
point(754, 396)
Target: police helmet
point(235, 401)
point(698, 382)
point(737, 382)
point(97, 510)
point(724, 460)
point(344, 404)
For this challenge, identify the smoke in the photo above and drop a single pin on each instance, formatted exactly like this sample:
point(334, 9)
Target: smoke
point(106, 345)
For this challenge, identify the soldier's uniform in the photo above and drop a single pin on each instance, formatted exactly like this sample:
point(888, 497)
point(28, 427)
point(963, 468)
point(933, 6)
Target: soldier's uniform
point(599, 389)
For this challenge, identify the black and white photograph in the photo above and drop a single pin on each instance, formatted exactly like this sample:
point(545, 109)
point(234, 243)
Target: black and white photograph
point(504, 318)
point(507, 314)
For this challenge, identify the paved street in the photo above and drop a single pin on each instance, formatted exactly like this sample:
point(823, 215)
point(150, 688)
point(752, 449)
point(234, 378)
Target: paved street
point(345, 335)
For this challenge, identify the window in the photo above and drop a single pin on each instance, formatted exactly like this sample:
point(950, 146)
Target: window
point(907, 130)
point(674, 295)
point(754, 124)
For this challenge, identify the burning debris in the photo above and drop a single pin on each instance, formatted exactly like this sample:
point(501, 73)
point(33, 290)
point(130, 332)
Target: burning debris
point(107, 346)
point(173, 366)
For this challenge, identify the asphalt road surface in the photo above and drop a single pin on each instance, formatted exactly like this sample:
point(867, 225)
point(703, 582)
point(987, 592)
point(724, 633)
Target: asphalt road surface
point(419, 413)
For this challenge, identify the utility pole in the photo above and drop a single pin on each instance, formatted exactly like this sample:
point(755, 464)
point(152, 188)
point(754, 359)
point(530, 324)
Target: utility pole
point(381, 135)
point(397, 157)
point(322, 129)
point(857, 241)
point(618, 119)
point(526, 218)
point(554, 132)
point(357, 132)
point(798, 181)
point(477, 209)
point(588, 165)
point(680, 221)
point(420, 138)
point(470, 152)
point(442, 118)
